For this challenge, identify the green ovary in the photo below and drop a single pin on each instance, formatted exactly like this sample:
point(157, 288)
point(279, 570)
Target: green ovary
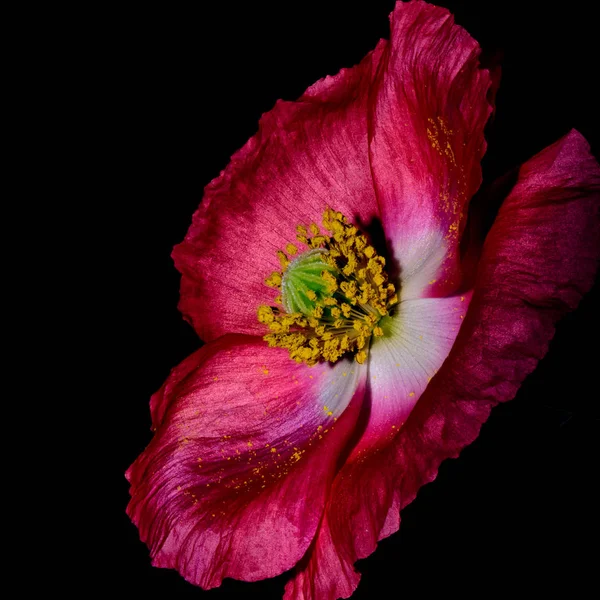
point(302, 287)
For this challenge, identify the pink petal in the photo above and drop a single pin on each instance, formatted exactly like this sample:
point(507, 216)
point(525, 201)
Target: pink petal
point(427, 142)
point(235, 480)
point(540, 257)
point(306, 155)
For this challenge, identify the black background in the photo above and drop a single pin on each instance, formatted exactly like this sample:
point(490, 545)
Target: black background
point(176, 93)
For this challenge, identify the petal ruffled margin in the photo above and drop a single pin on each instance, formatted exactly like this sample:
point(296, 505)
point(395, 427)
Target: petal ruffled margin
point(429, 109)
point(538, 260)
point(307, 155)
point(235, 480)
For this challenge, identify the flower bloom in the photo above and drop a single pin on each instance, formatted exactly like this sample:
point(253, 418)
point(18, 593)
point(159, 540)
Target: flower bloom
point(327, 396)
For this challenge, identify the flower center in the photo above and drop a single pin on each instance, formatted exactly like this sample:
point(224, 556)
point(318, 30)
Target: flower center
point(332, 296)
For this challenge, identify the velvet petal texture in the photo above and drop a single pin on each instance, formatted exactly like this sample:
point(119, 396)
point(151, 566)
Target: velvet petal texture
point(236, 477)
point(307, 155)
point(428, 112)
point(538, 260)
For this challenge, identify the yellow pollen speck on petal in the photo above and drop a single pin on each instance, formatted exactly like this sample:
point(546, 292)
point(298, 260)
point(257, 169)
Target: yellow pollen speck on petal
point(273, 449)
point(265, 370)
point(215, 378)
point(411, 394)
point(462, 298)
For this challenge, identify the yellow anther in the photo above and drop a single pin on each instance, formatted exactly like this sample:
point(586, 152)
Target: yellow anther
point(274, 280)
point(360, 242)
point(349, 288)
point(291, 249)
point(375, 265)
point(377, 331)
point(378, 279)
point(318, 240)
point(381, 309)
point(314, 228)
point(361, 357)
point(369, 251)
point(330, 280)
point(306, 353)
point(346, 309)
point(330, 260)
point(311, 295)
point(336, 312)
point(317, 312)
point(301, 230)
point(276, 327)
point(265, 314)
point(283, 259)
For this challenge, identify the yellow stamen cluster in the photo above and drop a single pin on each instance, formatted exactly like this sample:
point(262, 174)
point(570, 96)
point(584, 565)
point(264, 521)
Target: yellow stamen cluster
point(345, 301)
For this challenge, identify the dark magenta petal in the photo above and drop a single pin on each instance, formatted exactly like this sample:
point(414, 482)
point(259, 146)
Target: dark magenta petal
point(235, 480)
point(306, 155)
point(538, 260)
point(429, 108)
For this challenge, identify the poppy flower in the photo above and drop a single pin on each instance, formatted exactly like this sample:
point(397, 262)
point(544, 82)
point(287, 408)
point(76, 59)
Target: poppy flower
point(354, 339)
